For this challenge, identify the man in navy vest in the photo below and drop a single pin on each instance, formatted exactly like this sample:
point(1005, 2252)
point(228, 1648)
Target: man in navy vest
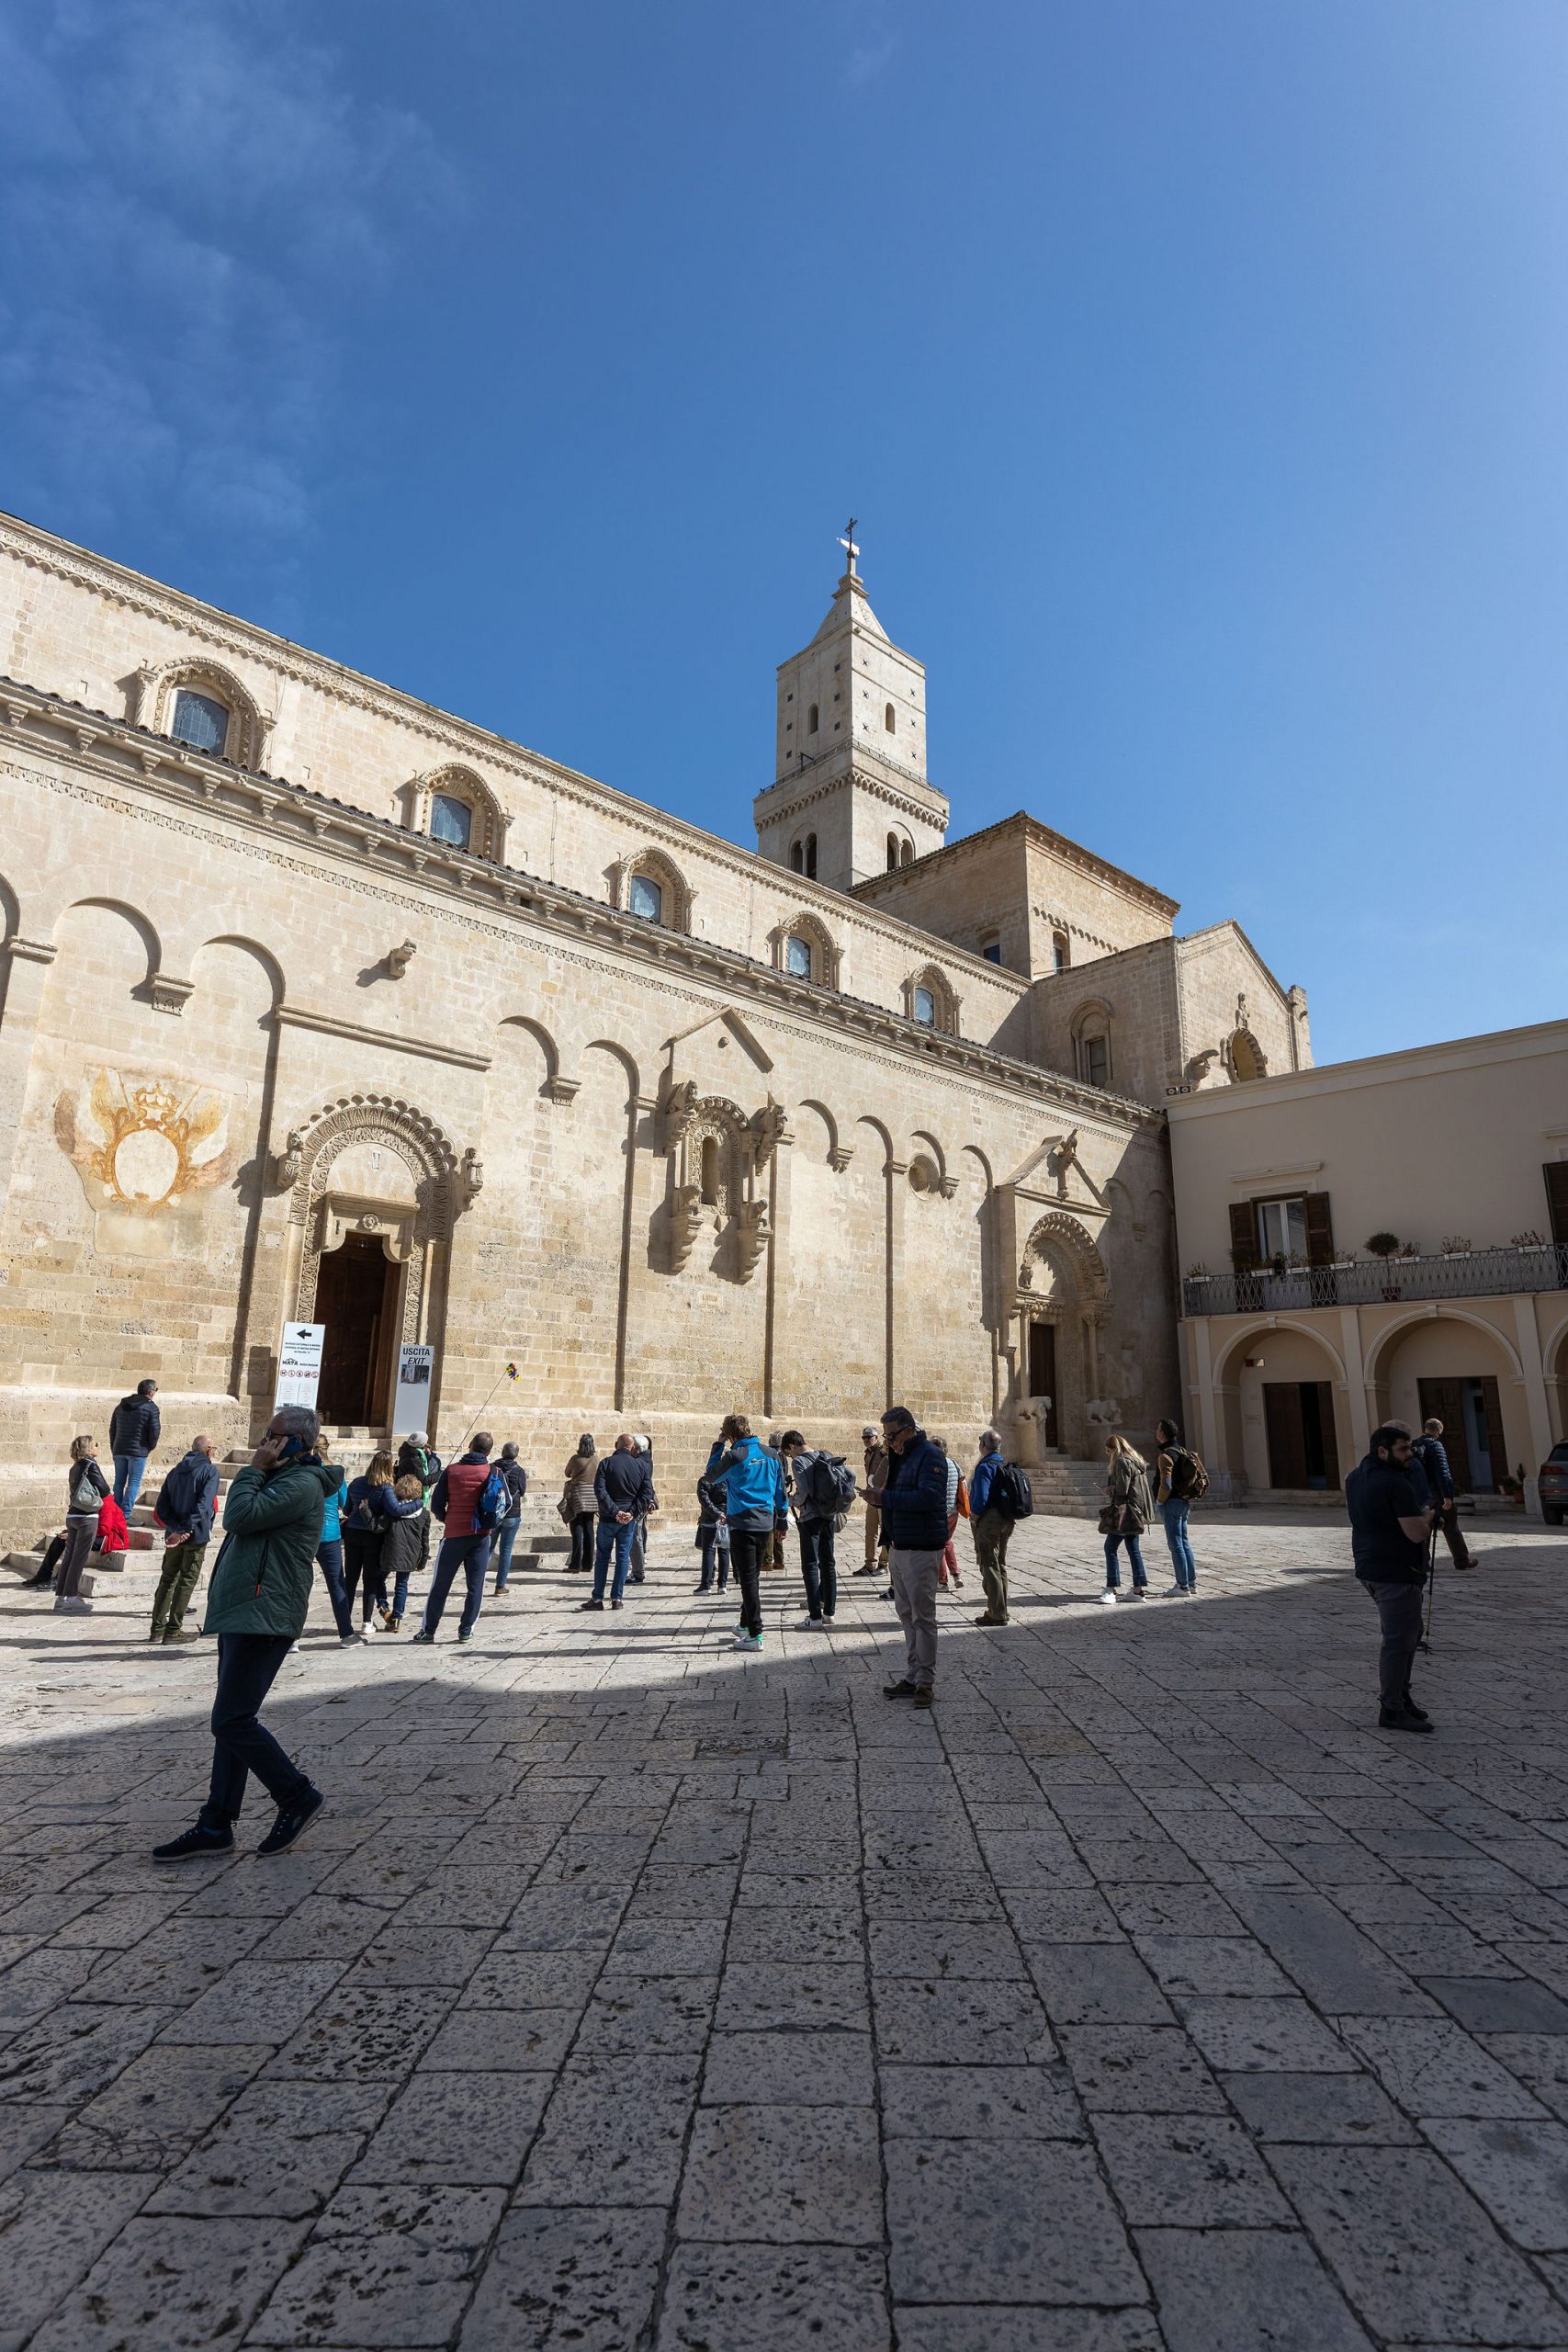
point(915, 1524)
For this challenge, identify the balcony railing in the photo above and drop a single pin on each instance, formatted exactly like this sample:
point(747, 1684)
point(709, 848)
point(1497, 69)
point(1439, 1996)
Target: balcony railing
point(1473, 1273)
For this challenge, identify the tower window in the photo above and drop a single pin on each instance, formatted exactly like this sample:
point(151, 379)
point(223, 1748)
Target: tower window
point(925, 1007)
point(709, 1186)
point(991, 949)
point(890, 720)
point(811, 721)
point(798, 956)
point(1061, 953)
point(906, 852)
point(200, 721)
point(891, 853)
point(811, 857)
point(1094, 1060)
point(797, 857)
point(451, 820)
point(647, 898)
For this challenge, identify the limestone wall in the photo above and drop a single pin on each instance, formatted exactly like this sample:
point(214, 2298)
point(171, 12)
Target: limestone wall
point(211, 1082)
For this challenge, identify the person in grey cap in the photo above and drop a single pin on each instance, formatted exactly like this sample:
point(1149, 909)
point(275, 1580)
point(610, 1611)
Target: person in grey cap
point(875, 1472)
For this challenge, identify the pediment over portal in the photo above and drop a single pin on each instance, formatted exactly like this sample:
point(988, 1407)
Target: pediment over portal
point(1054, 1177)
point(720, 1056)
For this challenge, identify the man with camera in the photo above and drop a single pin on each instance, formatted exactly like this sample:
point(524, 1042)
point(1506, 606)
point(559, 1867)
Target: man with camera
point(1390, 1526)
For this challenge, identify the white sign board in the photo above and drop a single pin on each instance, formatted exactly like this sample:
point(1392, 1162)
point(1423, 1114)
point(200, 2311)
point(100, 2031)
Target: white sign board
point(416, 1368)
point(299, 1363)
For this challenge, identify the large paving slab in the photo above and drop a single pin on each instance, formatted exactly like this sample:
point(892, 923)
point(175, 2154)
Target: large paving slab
point(635, 1995)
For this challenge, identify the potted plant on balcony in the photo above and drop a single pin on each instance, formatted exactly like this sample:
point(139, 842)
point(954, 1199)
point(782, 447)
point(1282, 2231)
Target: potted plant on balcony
point(1455, 1245)
point(1538, 1253)
point(1385, 1246)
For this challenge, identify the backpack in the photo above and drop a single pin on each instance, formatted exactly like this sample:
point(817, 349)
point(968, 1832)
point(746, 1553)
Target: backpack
point(1188, 1479)
point(1011, 1493)
point(832, 1487)
point(494, 1500)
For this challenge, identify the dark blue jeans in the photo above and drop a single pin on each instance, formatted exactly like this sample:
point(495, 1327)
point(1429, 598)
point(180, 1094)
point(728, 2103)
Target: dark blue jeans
point(329, 1553)
point(1174, 1513)
point(502, 1539)
point(612, 1534)
point(819, 1568)
point(471, 1553)
point(715, 1555)
point(1134, 1554)
point(247, 1668)
point(130, 1469)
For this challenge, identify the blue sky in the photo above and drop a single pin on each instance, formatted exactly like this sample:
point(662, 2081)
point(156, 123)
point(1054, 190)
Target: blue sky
point(1199, 371)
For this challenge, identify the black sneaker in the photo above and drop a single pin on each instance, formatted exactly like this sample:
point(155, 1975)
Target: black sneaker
point(292, 1822)
point(195, 1846)
point(617, 1604)
point(1396, 1719)
point(591, 1604)
point(899, 1689)
point(465, 1638)
point(1411, 1709)
point(418, 1637)
point(925, 1696)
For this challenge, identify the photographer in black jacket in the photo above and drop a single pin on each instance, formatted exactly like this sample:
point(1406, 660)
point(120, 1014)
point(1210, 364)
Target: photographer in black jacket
point(1390, 1525)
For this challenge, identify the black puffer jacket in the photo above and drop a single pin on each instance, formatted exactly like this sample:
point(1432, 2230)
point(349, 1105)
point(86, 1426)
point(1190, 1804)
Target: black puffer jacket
point(135, 1426)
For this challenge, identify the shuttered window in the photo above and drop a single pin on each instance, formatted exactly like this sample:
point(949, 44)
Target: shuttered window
point(1320, 1230)
point(1556, 1174)
point(1243, 1235)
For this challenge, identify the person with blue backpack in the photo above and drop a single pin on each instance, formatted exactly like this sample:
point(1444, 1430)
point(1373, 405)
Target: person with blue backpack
point(822, 1488)
point(470, 1498)
point(756, 1506)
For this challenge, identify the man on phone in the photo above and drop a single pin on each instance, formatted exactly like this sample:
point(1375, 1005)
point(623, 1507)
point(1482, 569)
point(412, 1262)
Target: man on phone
point(1389, 1522)
point(256, 1604)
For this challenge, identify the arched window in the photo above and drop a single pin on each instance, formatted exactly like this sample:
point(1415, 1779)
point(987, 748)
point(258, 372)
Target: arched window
point(709, 1181)
point(811, 720)
point(646, 899)
point(923, 1003)
point(890, 720)
point(991, 949)
point(1094, 1058)
point(797, 857)
point(1061, 953)
point(811, 857)
point(805, 948)
point(906, 852)
point(928, 998)
point(893, 852)
point(200, 721)
point(451, 819)
point(797, 956)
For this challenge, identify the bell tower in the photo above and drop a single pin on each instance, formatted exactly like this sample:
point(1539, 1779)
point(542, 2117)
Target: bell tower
point(849, 796)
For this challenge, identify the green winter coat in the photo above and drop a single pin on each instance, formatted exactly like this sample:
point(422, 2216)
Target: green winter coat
point(272, 1523)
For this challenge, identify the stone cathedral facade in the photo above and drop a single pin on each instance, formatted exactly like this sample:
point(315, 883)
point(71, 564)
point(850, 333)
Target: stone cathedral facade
point(323, 1006)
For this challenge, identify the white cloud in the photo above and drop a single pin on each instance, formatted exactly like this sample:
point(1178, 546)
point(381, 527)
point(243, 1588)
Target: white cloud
point(191, 204)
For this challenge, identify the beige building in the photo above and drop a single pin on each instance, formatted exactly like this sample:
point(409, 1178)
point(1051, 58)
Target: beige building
point(323, 1006)
point(1299, 1338)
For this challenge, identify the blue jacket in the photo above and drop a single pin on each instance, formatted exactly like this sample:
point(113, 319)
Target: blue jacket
point(1433, 1456)
point(914, 1500)
point(332, 1531)
point(983, 1479)
point(189, 1497)
point(380, 1503)
point(754, 1493)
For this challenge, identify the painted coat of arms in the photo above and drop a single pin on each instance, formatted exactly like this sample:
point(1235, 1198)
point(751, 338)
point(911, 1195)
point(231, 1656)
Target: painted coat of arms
point(141, 1144)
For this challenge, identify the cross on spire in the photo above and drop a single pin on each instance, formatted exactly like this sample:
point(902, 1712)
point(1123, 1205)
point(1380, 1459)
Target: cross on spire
point(847, 541)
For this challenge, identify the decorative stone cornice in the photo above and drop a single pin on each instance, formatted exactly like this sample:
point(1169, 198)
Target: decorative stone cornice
point(291, 815)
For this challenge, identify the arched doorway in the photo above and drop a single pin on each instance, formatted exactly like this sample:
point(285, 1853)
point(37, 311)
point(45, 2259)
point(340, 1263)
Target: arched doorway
point(1284, 1411)
point(1461, 1369)
point(1061, 1299)
point(375, 1191)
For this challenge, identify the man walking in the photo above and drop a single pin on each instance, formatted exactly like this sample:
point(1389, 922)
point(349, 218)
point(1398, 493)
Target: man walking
point(135, 1427)
point(1181, 1478)
point(916, 1522)
point(1389, 1527)
point(257, 1605)
point(465, 1542)
point(875, 1471)
point(990, 1527)
point(1433, 1455)
point(623, 1488)
point(186, 1503)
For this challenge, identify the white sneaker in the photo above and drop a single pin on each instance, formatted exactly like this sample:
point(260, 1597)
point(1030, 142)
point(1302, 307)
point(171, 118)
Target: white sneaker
point(747, 1642)
point(1108, 1599)
point(80, 1608)
point(1173, 1591)
point(809, 1625)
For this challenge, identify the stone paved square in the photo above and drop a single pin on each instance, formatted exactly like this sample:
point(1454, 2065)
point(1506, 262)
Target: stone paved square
point(635, 1997)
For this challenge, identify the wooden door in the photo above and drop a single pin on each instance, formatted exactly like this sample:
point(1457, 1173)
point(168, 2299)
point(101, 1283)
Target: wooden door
point(1043, 1375)
point(1330, 1435)
point(1443, 1400)
point(352, 1303)
point(1287, 1440)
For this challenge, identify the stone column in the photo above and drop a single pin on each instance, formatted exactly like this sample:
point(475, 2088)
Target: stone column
point(637, 1355)
point(781, 1343)
point(28, 961)
point(1355, 1379)
point(899, 1303)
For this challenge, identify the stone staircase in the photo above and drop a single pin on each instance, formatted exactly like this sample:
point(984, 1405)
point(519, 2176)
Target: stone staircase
point(1064, 1488)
